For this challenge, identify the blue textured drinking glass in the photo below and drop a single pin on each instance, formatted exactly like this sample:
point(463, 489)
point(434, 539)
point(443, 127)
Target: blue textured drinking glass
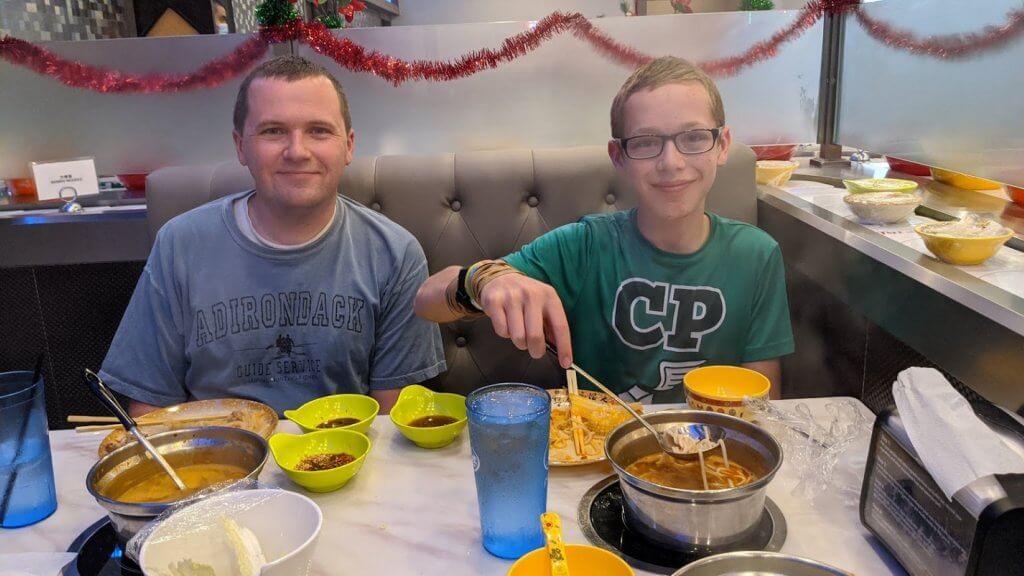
point(27, 491)
point(508, 432)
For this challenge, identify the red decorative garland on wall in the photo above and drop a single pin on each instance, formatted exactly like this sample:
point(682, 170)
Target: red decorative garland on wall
point(951, 47)
point(355, 57)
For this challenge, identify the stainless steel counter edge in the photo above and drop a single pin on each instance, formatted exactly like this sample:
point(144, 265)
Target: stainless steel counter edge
point(990, 301)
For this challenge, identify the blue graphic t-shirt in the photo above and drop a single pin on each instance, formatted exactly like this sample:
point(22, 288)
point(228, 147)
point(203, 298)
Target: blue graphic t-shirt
point(217, 315)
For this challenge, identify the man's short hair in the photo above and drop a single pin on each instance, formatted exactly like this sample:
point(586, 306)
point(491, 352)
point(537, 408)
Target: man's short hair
point(290, 68)
point(662, 72)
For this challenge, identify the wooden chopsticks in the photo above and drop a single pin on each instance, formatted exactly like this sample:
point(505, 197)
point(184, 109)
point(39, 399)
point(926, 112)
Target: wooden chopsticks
point(145, 423)
point(574, 416)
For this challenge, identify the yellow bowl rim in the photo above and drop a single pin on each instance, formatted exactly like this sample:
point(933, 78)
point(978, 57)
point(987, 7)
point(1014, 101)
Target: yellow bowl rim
point(517, 565)
point(723, 398)
point(312, 435)
point(920, 230)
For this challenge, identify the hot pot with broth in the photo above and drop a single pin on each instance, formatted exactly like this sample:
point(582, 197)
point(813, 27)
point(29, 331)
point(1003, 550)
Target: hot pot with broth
point(664, 498)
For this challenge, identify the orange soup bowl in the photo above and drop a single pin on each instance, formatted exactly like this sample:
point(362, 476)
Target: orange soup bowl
point(582, 559)
point(722, 389)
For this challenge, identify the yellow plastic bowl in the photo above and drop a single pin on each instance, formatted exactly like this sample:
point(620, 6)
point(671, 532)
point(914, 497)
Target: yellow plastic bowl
point(581, 559)
point(962, 251)
point(963, 180)
point(289, 449)
point(775, 172)
point(722, 388)
point(416, 402)
point(868, 185)
point(312, 413)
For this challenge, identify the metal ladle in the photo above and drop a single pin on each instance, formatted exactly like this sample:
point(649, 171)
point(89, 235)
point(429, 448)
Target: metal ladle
point(101, 391)
point(696, 431)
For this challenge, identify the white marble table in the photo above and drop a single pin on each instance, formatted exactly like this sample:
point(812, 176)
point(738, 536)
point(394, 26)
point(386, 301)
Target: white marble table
point(413, 512)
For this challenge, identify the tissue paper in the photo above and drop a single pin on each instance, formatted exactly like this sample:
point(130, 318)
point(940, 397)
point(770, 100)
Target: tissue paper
point(955, 446)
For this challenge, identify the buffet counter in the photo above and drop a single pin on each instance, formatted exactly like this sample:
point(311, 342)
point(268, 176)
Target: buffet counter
point(968, 319)
point(414, 511)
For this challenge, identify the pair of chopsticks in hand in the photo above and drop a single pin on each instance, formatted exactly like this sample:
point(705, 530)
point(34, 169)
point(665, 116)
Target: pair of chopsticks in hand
point(575, 423)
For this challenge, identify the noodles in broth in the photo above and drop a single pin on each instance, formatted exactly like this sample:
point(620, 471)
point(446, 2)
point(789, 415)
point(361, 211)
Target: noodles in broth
point(665, 470)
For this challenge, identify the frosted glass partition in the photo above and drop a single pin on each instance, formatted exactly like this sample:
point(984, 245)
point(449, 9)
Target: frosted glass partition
point(41, 119)
point(965, 115)
point(556, 96)
point(560, 94)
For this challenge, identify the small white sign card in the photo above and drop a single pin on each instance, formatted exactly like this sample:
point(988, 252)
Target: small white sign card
point(62, 179)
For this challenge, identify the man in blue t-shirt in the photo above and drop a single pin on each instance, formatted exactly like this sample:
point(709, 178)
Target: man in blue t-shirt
point(284, 293)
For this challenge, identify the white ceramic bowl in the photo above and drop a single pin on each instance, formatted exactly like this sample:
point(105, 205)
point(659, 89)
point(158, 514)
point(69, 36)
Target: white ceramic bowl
point(286, 524)
point(882, 207)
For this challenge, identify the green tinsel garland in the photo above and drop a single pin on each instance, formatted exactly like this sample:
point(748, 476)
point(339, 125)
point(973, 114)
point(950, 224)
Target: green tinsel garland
point(276, 12)
point(331, 21)
point(758, 4)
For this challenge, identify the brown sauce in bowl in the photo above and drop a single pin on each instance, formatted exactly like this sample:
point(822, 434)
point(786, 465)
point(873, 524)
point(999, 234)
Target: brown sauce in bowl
point(337, 422)
point(433, 421)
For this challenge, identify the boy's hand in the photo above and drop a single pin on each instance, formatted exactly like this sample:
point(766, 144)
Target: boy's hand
point(529, 313)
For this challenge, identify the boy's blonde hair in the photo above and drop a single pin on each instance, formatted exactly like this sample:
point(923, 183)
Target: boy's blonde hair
point(661, 72)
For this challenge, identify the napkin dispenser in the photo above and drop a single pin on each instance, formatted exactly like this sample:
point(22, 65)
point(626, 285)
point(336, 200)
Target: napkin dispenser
point(979, 533)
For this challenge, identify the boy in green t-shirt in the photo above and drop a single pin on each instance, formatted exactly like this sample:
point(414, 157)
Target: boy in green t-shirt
point(649, 293)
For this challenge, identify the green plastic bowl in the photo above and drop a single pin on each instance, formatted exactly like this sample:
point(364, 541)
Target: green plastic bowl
point(290, 449)
point(416, 402)
point(312, 413)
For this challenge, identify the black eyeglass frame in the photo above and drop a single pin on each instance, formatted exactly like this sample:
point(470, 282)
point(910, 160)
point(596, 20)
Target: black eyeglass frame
point(715, 134)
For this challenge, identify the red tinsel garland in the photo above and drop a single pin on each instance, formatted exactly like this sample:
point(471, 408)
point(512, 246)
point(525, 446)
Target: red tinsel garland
point(808, 16)
point(949, 47)
point(354, 57)
point(97, 79)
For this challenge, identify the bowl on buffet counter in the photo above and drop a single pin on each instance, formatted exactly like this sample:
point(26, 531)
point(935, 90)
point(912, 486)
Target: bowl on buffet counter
point(907, 167)
point(773, 151)
point(1016, 194)
point(965, 242)
point(871, 185)
point(134, 181)
point(775, 172)
point(134, 490)
point(664, 499)
point(964, 181)
point(22, 186)
point(882, 207)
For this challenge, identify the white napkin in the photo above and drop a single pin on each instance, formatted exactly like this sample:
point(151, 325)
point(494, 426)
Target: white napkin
point(955, 446)
point(34, 563)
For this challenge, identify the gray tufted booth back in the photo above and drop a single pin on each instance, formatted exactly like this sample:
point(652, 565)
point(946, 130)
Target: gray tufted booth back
point(468, 206)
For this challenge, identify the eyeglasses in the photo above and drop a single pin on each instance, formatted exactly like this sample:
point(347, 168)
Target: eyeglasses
point(696, 141)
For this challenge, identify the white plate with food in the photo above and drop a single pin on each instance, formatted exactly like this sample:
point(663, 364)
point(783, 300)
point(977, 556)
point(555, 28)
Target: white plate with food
point(231, 412)
point(599, 415)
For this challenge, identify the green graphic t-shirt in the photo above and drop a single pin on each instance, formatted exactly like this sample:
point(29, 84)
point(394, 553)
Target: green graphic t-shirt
point(641, 317)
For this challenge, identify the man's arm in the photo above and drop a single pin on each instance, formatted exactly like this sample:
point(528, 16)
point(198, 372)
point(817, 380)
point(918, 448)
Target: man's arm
point(431, 303)
point(386, 399)
point(773, 370)
point(136, 408)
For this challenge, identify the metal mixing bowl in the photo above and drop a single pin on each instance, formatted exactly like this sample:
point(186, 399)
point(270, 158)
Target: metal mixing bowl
point(207, 445)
